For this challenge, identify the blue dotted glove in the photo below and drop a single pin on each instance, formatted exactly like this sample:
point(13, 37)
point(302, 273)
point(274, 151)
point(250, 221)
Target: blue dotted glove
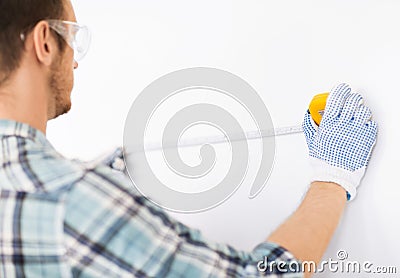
point(341, 146)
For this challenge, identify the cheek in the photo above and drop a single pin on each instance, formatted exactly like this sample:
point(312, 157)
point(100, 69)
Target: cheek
point(70, 79)
point(65, 78)
point(68, 70)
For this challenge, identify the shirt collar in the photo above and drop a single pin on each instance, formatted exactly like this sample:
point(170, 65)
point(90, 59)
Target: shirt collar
point(13, 128)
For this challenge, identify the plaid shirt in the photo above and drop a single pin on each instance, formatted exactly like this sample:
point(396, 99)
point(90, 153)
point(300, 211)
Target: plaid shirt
point(67, 218)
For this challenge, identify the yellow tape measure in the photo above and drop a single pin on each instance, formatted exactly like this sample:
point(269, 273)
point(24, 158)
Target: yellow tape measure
point(317, 107)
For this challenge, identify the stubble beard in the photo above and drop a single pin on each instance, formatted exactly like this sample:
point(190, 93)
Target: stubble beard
point(60, 89)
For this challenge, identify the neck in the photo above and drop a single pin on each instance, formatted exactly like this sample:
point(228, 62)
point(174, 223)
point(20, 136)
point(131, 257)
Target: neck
point(24, 99)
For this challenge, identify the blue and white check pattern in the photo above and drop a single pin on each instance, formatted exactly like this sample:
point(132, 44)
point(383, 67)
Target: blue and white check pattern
point(345, 137)
point(67, 218)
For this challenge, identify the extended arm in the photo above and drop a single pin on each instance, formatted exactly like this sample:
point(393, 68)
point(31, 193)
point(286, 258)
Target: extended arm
point(339, 151)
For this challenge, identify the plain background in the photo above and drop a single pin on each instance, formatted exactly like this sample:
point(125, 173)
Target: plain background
point(288, 51)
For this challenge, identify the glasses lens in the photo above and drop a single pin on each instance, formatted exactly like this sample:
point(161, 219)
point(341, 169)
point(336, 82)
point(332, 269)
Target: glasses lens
point(81, 43)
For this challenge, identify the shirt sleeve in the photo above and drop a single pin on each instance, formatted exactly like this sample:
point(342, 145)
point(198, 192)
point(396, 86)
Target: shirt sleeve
point(112, 231)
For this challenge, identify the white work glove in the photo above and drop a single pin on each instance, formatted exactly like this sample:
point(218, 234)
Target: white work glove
point(341, 146)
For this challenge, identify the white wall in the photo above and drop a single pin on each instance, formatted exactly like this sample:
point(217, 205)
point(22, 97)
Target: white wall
point(287, 50)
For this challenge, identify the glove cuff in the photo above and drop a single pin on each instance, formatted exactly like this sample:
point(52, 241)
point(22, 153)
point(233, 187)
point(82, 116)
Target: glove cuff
point(349, 180)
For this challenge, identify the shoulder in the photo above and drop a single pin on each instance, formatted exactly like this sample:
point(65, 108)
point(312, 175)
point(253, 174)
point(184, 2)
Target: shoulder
point(54, 171)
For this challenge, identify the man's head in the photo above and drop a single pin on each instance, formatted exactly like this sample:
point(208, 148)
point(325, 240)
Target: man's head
point(34, 53)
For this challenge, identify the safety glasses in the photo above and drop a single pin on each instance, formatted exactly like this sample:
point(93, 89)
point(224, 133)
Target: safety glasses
point(77, 36)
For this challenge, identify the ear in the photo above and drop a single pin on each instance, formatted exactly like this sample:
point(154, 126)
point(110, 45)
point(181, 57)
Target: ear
point(44, 43)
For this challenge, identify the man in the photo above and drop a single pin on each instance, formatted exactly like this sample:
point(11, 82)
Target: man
point(63, 218)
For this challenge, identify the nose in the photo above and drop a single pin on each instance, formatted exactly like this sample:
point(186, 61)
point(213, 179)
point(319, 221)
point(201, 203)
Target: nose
point(75, 65)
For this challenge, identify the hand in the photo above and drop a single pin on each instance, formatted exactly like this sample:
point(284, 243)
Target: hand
point(341, 146)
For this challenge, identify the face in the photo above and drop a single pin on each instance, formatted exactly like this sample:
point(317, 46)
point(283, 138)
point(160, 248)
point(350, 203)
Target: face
point(61, 78)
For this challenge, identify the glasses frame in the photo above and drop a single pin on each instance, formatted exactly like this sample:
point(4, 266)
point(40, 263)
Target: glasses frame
point(68, 30)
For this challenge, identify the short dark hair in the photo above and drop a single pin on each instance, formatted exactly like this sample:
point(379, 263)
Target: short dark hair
point(17, 17)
